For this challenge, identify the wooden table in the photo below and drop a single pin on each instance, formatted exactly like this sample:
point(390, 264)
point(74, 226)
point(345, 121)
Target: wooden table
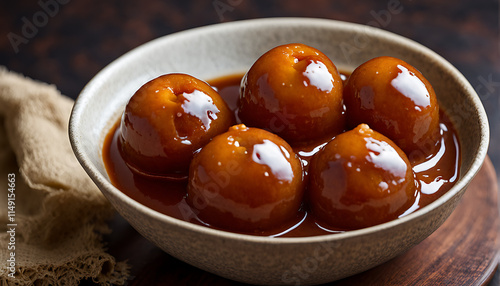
point(80, 37)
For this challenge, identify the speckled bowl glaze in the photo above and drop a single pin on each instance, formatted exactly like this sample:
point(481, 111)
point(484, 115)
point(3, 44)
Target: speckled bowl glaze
point(222, 49)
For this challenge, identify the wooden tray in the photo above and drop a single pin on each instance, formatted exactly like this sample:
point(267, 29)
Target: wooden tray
point(463, 251)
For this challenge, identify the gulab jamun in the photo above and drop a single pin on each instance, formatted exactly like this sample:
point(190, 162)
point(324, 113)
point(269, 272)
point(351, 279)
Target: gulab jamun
point(360, 179)
point(294, 91)
point(167, 120)
point(395, 99)
point(246, 179)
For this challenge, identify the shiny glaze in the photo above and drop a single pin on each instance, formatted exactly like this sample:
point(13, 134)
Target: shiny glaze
point(411, 86)
point(385, 92)
point(167, 120)
point(276, 158)
point(438, 170)
point(297, 92)
point(318, 75)
point(360, 179)
point(245, 179)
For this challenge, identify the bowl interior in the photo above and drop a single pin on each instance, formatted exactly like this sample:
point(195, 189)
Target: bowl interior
point(223, 49)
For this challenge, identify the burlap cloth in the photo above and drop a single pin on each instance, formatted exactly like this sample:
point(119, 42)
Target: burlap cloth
point(60, 215)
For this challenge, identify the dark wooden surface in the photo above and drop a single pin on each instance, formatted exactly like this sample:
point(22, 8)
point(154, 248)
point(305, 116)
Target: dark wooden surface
point(67, 42)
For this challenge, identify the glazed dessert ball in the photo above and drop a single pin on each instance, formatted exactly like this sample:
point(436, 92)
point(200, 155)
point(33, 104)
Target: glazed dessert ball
point(395, 99)
point(360, 179)
point(294, 91)
point(167, 120)
point(246, 179)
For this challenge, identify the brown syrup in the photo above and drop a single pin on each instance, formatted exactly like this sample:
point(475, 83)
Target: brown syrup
point(435, 173)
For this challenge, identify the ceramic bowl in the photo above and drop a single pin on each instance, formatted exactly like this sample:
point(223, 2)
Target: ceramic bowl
point(227, 48)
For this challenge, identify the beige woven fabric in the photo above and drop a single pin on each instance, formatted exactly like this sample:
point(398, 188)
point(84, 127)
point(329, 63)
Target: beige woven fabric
point(60, 215)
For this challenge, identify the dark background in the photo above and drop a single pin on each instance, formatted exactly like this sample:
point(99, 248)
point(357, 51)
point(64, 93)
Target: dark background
point(66, 43)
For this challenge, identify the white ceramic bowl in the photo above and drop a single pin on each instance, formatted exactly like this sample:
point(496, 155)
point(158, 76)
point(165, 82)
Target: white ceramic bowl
point(222, 49)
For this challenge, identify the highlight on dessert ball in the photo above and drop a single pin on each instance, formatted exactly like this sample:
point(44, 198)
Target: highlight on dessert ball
point(294, 91)
point(167, 120)
point(246, 179)
point(395, 99)
point(360, 179)
point(300, 148)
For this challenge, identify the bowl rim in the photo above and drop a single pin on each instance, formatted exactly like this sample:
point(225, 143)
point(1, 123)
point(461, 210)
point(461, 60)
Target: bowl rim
point(100, 180)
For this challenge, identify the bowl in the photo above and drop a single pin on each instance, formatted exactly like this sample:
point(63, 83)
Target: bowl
point(222, 49)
